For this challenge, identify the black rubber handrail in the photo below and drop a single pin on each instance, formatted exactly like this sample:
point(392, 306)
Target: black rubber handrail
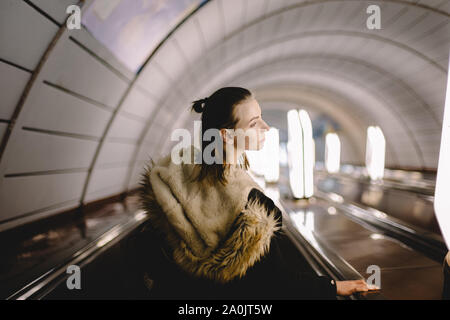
point(419, 188)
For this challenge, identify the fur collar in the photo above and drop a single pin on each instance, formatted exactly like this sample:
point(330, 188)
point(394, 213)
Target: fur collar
point(214, 232)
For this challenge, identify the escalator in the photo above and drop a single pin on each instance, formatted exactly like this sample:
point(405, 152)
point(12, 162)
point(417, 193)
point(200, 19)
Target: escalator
point(410, 204)
point(348, 239)
point(329, 235)
point(36, 259)
point(403, 210)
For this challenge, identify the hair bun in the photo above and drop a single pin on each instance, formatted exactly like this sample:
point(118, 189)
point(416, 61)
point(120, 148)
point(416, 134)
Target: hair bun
point(199, 105)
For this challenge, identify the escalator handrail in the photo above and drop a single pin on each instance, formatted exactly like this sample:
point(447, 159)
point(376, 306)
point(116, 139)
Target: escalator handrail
point(322, 259)
point(424, 191)
point(406, 233)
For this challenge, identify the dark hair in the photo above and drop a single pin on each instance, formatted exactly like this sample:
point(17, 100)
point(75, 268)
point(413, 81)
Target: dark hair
point(218, 112)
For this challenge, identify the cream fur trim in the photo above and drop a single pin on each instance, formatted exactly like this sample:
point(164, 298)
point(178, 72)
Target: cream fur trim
point(201, 215)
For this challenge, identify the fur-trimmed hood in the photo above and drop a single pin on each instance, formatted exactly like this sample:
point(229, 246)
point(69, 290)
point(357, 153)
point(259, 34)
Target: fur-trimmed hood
point(213, 231)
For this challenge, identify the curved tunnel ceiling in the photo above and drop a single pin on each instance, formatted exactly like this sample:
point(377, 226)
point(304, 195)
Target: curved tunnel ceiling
point(382, 65)
point(76, 120)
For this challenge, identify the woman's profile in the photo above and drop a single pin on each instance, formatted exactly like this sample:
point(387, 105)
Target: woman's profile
point(212, 232)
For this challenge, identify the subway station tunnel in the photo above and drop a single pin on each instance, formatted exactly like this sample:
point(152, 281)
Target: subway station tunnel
point(84, 109)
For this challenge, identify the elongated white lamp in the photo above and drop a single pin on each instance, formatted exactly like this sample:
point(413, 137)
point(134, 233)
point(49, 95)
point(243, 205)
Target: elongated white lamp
point(308, 153)
point(332, 152)
point(295, 154)
point(272, 155)
point(375, 152)
point(301, 154)
point(441, 195)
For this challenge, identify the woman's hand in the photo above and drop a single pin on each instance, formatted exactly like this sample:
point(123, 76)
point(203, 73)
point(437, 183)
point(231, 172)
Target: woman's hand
point(346, 288)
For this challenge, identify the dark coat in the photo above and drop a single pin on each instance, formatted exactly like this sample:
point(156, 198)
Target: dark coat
point(273, 276)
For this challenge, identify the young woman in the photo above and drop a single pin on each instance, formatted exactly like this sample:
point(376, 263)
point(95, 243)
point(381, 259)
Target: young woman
point(213, 231)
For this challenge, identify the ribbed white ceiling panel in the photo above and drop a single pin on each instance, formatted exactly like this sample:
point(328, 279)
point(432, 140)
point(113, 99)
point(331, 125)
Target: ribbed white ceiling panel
point(26, 42)
point(190, 41)
point(170, 60)
point(39, 151)
point(115, 153)
point(123, 127)
point(13, 81)
point(72, 67)
point(69, 113)
point(38, 197)
point(155, 81)
point(106, 181)
point(3, 127)
point(211, 21)
point(56, 9)
point(139, 103)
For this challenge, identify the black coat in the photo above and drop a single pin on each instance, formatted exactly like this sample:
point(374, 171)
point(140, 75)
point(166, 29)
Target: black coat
point(276, 276)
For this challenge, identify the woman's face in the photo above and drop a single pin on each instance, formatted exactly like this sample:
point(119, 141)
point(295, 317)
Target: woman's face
point(253, 127)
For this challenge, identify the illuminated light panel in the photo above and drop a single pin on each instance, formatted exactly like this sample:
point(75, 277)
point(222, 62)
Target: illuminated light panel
point(301, 153)
point(308, 153)
point(266, 161)
point(332, 152)
point(283, 155)
point(441, 195)
point(313, 153)
point(375, 152)
point(271, 156)
point(295, 154)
